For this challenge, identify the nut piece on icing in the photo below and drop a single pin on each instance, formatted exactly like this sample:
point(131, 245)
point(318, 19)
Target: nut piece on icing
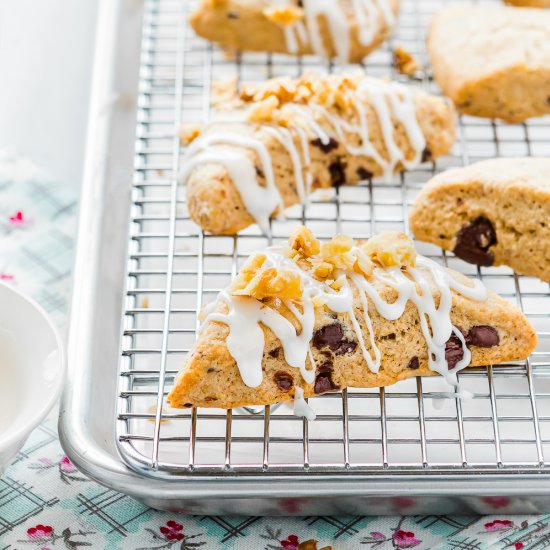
point(284, 15)
point(342, 253)
point(272, 283)
point(263, 111)
point(283, 88)
point(259, 282)
point(304, 242)
point(391, 249)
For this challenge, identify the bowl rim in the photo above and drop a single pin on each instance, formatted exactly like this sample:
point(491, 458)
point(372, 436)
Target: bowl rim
point(28, 424)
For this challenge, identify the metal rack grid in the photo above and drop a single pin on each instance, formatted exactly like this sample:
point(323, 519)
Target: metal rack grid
point(173, 269)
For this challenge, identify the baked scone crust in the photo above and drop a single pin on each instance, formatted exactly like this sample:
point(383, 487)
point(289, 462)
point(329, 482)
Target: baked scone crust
point(244, 25)
point(215, 204)
point(529, 3)
point(513, 194)
point(210, 376)
point(493, 61)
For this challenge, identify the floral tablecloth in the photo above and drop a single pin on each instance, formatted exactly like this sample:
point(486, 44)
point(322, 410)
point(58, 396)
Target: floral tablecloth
point(45, 503)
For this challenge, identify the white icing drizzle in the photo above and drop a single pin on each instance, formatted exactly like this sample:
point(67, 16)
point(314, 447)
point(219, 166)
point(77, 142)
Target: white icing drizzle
point(391, 101)
point(213, 148)
point(246, 340)
point(338, 26)
point(307, 160)
point(301, 408)
point(284, 137)
point(366, 12)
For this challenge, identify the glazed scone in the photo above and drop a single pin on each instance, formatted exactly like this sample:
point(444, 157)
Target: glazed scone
point(292, 136)
point(493, 61)
point(529, 3)
point(492, 212)
point(310, 318)
point(345, 29)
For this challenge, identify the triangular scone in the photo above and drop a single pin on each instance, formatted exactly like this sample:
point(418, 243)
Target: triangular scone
point(309, 295)
point(287, 137)
point(493, 212)
point(347, 30)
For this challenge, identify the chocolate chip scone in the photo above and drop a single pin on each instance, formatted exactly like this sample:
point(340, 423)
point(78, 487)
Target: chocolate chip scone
point(305, 319)
point(492, 212)
point(345, 29)
point(292, 136)
point(493, 61)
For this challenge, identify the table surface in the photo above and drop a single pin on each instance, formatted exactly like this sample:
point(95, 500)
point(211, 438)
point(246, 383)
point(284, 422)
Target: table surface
point(46, 503)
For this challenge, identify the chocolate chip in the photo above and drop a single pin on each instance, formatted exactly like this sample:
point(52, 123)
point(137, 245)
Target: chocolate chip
point(453, 351)
point(325, 366)
point(426, 155)
point(364, 174)
point(232, 15)
point(210, 370)
point(329, 335)
point(283, 380)
point(414, 364)
point(333, 337)
point(274, 352)
point(324, 383)
point(259, 172)
point(188, 405)
point(483, 336)
point(474, 240)
point(325, 147)
point(337, 173)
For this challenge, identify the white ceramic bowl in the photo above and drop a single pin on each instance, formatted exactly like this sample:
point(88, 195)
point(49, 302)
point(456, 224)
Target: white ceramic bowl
point(31, 370)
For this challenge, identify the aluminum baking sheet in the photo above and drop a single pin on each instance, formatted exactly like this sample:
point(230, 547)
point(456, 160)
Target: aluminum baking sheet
point(153, 264)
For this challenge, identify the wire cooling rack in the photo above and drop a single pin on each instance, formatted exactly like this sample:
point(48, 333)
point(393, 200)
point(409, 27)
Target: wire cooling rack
point(173, 269)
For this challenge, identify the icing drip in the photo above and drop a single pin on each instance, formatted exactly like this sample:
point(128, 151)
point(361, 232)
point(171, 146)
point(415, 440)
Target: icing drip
point(337, 23)
point(284, 137)
point(246, 339)
point(230, 150)
point(391, 101)
point(367, 13)
point(301, 408)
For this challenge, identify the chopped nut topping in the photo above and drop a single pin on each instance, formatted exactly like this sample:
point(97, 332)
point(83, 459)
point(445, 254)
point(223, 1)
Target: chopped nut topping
point(189, 133)
point(273, 283)
point(391, 249)
point(264, 110)
point(326, 90)
point(328, 262)
point(405, 62)
point(303, 241)
point(259, 282)
point(284, 15)
point(248, 271)
point(337, 252)
point(283, 88)
point(321, 269)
